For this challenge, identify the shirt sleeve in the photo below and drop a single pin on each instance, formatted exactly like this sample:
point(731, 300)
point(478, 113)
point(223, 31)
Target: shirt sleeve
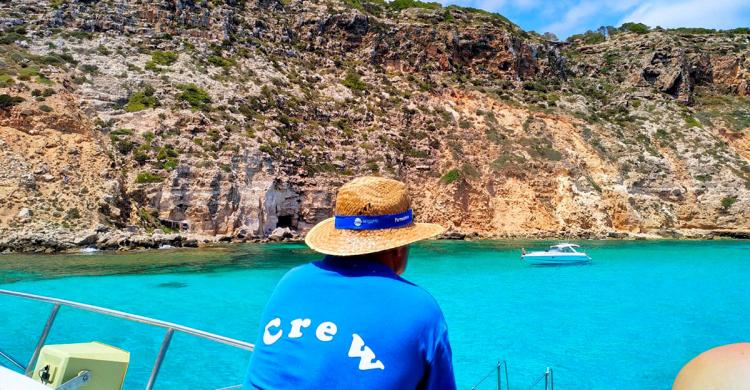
point(439, 373)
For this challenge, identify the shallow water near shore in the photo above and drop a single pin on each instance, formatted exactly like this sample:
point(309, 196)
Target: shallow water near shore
point(629, 320)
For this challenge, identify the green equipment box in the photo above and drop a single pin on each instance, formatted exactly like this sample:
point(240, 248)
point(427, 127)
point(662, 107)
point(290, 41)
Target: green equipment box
point(60, 363)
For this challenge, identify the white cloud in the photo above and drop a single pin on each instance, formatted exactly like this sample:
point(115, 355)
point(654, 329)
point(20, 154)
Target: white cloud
point(567, 17)
point(495, 5)
point(489, 5)
point(691, 13)
point(575, 17)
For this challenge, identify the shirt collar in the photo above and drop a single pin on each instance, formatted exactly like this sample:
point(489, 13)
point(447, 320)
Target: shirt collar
point(359, 266)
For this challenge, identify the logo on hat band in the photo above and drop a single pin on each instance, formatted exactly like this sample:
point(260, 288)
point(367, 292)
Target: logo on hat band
point(373, 222)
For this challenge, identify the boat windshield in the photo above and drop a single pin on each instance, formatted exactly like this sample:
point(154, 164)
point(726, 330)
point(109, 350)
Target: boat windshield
point(562, 248)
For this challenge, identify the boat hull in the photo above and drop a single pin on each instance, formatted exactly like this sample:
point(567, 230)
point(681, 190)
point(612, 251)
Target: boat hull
point(555, 259)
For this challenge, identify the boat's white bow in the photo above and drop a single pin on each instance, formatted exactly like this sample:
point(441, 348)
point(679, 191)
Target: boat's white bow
point(12, 380)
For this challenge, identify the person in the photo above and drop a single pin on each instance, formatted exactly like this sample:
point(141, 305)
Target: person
point(726, 367)
point(350, 321)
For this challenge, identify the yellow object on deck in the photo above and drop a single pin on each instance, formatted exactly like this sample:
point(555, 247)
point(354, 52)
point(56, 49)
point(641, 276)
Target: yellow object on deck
point(60, 363)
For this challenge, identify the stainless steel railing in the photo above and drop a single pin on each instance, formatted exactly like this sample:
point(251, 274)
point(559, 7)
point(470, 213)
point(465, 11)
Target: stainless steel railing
point(549, 383)
point(169, 326)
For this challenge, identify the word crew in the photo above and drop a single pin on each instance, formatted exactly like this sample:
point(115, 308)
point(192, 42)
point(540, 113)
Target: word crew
point(324, 332)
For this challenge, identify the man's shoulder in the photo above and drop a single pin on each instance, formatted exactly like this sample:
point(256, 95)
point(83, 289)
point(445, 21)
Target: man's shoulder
point(406, 293)
point(422, 298)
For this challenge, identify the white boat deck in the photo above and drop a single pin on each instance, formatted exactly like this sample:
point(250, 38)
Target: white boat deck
point(10, 380)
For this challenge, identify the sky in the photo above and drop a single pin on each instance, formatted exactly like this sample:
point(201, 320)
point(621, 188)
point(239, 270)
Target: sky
point(568, 17)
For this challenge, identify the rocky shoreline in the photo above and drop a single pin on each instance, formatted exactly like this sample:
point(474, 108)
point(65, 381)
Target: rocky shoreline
point(150, 124)
point(118, 240)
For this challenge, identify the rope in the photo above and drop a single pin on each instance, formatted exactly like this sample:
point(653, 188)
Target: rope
point(230, 387)
point(484, 378)
point(537, 381)
point(496, 369)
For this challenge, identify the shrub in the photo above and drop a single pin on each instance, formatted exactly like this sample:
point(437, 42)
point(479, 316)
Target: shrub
point(27, 73)
point(495, 137)
point(196, 97)
point(373, 167)
point(355, 4)
point(399, 5)
point(45, 108)
point(150, 65)
point(119, 132)
point(589, 37)
point(170, 163)
point(10, 37)
point(124, 146)
point(7, 101)
point(220, 61)
point(691, 121)
point(5, 80)
point(638, 28)
point(739, 119)
point(165, 58)
point(148, 177)
point(547, 152)
point(739, 30)
point(81, 35)
point(52, 59)
point(266, 149)
point(141, 154)
point(450, 176)
point(353, 81)
point(727, 202)
point(90, 69)
point(505, 160)
point(693, 30)
point(67, 58)
point(42, 79)
point(142, 100)
point(165, 153)
point(73, 213)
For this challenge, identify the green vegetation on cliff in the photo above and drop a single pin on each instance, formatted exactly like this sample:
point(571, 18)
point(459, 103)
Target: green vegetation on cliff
point(195, 96)
point(142, 100)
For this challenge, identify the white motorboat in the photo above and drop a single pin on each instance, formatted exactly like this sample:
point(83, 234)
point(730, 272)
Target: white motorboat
point(556, 255)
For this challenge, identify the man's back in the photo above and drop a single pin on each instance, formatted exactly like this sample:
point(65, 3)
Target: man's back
point(350, 323)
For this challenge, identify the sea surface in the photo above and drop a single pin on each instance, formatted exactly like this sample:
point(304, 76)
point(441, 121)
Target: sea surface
point(629, 320)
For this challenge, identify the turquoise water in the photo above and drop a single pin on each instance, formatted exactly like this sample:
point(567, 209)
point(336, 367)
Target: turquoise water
point(629, 320)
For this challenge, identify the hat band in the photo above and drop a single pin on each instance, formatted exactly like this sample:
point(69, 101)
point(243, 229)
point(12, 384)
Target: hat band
point(373, 222)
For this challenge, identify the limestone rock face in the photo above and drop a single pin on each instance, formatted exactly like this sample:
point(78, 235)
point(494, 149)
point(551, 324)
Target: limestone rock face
point(279, 234)
point(141, 124)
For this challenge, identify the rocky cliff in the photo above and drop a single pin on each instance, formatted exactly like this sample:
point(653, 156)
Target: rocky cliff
point(127, 124)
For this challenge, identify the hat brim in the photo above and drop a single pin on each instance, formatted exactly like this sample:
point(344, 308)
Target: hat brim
point(325, 238)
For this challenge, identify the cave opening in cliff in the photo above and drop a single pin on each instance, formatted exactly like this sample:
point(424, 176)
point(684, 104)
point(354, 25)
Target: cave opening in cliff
point(284, 221)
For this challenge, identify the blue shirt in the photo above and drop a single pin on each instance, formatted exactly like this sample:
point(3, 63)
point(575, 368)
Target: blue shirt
point(350, 324)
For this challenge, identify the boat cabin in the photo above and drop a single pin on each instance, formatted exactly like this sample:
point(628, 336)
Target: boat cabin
point(564, 248)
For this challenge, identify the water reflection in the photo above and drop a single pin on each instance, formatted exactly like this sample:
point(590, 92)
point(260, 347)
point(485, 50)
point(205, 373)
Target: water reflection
point(14, 268)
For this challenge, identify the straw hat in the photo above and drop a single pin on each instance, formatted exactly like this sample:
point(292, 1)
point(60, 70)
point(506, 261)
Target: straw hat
point(372, 214)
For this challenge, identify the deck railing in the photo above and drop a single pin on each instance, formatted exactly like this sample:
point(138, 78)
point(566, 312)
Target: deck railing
point(169, 326)
point(502, 367)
